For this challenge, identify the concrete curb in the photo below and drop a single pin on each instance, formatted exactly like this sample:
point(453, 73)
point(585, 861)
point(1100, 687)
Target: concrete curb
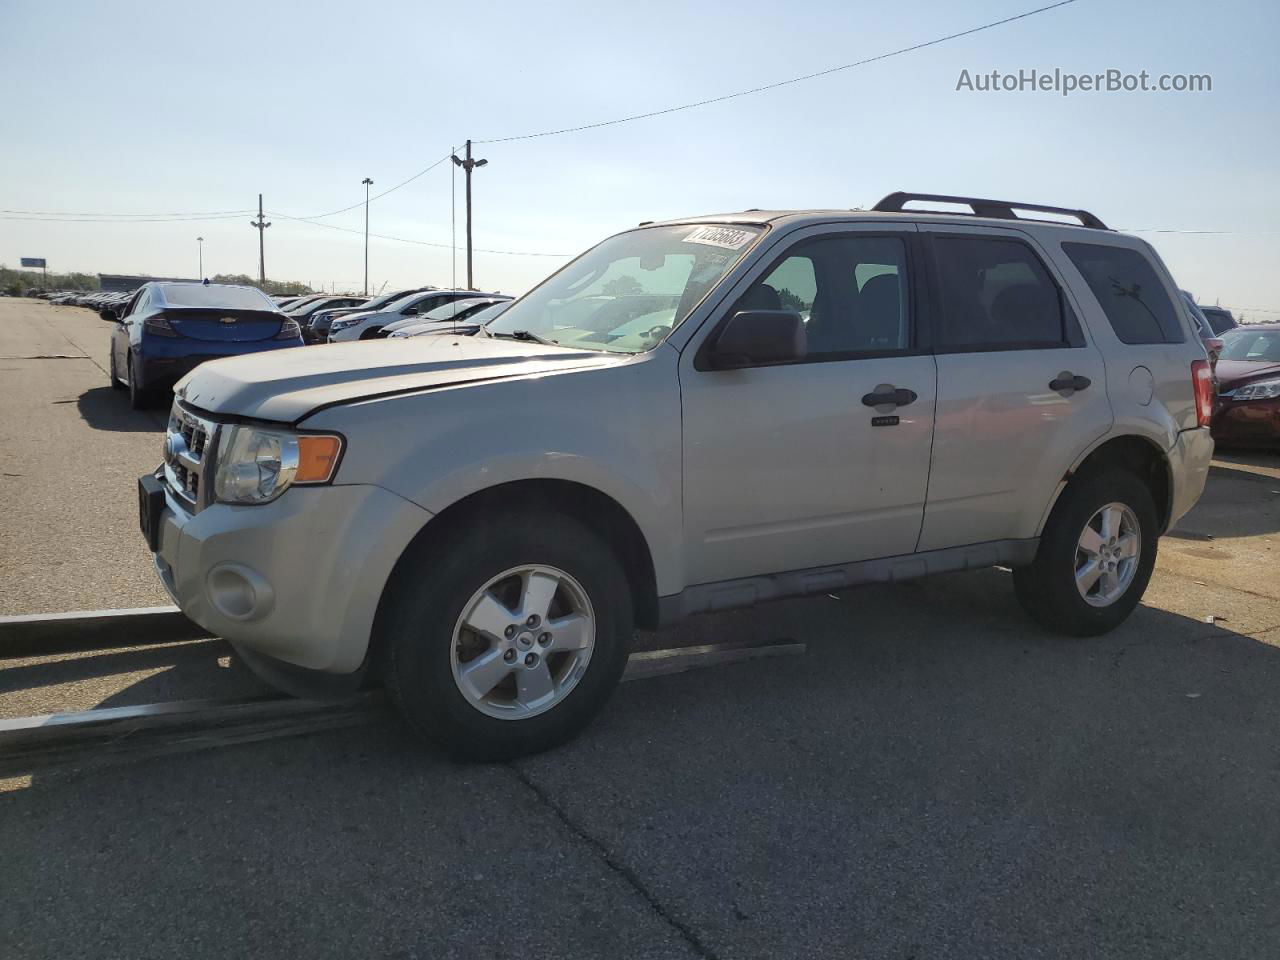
point(36, 634)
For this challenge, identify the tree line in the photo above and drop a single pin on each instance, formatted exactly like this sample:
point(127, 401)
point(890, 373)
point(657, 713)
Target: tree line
point(16, 282)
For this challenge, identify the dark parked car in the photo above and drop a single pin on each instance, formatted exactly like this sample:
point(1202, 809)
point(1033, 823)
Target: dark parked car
point(167, 329)
point(1247, 411)
point(304, 313)
point(1219, 318)
point(317, 330)
point(1212, 342)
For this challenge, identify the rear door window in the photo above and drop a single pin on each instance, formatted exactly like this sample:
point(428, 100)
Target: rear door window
point(995, 294)
point(1129, 291)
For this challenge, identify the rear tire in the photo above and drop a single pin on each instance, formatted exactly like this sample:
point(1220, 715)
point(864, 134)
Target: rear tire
point(430, 645)
point(139, 397)
point(112, 375)
point(1095, 557)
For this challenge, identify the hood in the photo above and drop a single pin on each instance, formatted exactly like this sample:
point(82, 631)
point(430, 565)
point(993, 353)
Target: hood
point(1234, 373)
point(286, 385)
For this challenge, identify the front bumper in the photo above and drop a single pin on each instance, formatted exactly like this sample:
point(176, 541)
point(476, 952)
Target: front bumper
point(1189, 460)
point(1247, 422)
point(297, 580)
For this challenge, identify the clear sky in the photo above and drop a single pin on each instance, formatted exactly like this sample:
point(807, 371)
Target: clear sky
point(158, 108)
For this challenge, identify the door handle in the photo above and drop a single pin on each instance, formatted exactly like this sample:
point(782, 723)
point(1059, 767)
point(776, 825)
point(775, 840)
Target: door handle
point(897, 398)
point(1066, 381)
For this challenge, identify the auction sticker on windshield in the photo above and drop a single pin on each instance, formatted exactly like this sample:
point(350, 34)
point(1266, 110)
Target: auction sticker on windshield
point(727, 237)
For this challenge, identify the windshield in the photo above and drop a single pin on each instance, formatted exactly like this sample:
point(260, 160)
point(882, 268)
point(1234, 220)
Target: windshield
point(377, 303)
point(626, 294)
point(213, 295)
point(454, 308)
point(1260, 346)
point(489, 312)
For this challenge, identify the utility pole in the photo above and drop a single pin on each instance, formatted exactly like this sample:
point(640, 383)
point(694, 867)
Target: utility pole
point(468, 165)
point(200, 247)
point(367, 184)
point(261, 225)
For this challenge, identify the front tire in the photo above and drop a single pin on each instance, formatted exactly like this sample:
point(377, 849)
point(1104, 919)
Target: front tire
point(507, 639)
point(1095, 557)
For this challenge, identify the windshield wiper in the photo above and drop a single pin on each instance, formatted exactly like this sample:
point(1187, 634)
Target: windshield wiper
point(523, 335)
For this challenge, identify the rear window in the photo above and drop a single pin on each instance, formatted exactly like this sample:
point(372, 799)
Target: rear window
point(199, 295)
point(1220, 320)
point(1129, 291)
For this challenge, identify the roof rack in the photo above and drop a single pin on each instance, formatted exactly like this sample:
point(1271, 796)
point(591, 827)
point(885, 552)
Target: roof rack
point(999, 209)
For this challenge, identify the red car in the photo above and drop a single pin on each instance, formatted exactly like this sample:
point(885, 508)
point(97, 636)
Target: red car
point(1247, 411)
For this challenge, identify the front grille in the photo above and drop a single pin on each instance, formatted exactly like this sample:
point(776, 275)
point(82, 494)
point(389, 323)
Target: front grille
point(188, 447)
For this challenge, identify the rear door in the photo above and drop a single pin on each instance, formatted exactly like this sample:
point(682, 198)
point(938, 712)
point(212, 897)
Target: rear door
point(789, 466)
point(1021, 389)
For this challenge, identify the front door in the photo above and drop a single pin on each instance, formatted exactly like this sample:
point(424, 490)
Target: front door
point(826, 460)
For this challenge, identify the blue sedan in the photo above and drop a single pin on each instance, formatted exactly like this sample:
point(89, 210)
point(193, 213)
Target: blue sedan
point(167, 329)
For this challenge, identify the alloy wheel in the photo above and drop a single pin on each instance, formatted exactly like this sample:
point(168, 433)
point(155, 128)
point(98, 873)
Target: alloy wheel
point(1107, 554)
point(523, 642)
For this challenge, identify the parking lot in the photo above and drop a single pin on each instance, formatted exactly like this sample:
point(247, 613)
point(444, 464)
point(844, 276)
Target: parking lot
point(935, 776)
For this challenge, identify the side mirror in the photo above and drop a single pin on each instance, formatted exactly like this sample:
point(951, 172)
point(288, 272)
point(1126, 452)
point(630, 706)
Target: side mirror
point(109, 314)
point(409, 312)
point(753, 337)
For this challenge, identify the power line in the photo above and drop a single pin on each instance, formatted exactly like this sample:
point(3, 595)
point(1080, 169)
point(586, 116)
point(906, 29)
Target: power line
point(402, 183)
point(781, 83)
point(139, 219)
point(1219, 233)
point(712, 100)
point(189, 213)
point(421, 243)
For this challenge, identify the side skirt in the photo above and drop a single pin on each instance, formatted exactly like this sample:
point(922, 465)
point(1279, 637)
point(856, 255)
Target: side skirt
point(748, 591)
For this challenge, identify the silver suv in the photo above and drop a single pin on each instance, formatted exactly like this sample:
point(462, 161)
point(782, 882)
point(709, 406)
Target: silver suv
point(691, 416)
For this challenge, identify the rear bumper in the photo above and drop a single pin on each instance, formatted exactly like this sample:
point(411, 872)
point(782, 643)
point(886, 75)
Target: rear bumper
point(158, 367)
point(1189, 460)
point(1251, 422)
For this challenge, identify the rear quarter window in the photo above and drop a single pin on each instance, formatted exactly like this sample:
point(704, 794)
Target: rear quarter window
point(1129, 291)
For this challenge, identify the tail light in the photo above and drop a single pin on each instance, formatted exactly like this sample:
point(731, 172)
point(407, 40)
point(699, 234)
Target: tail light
point(1202, 381)
point(289, 330)
point(158, 326)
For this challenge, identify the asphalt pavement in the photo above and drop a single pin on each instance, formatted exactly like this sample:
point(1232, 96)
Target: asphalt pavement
point(936, 777)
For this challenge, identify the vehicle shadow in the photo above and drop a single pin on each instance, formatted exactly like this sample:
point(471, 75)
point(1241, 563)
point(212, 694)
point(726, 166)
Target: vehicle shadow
point(936, 769)
point(106, 409)
point(1238, 502)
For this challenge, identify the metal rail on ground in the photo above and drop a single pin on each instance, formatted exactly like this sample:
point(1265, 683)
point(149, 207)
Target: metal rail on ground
point(114, 734)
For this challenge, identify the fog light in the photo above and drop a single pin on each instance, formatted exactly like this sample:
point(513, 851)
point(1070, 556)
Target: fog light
point(239, 593)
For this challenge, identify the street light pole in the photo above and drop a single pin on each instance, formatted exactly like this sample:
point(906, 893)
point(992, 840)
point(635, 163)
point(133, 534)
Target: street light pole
point(367, 184)
point(200, 242)
point(468, 165)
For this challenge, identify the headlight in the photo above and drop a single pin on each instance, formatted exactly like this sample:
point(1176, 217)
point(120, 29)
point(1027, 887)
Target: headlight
point(1262, 390)
point(339, 323)
point(256, 465)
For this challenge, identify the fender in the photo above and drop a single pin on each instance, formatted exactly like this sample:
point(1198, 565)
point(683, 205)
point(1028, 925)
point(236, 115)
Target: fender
point(616, 430)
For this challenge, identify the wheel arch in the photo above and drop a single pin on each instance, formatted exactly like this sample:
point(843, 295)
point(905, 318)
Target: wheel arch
point(1139, 455)
point(596, 510)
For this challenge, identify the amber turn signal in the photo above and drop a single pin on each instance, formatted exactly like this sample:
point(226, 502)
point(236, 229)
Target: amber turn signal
point(317, 458)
